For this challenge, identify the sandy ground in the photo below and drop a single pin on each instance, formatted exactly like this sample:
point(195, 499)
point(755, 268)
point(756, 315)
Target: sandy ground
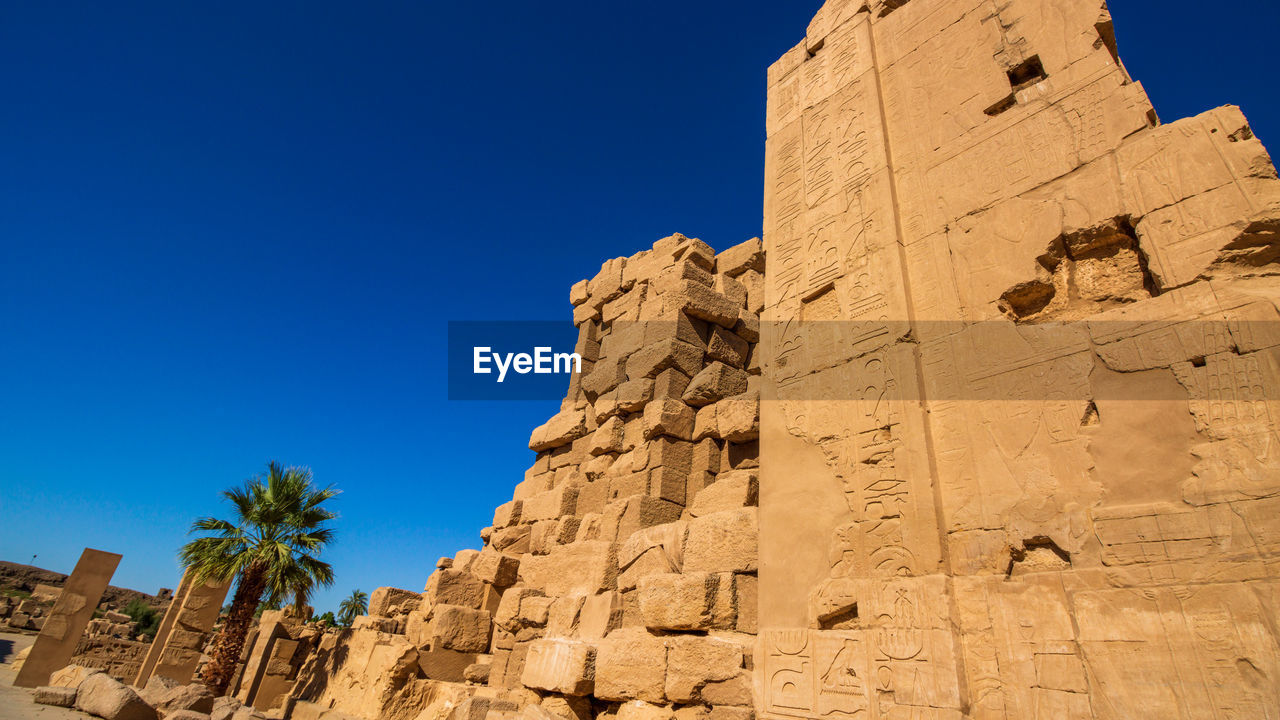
point(15, 703)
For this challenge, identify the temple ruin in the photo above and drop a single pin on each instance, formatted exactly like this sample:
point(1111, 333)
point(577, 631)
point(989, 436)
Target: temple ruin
point(981, 428)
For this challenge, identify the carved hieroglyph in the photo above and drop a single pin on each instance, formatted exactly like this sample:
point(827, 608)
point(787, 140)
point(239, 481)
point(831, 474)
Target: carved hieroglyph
point(56, 644)
point(1019, 432)
point(176, 650)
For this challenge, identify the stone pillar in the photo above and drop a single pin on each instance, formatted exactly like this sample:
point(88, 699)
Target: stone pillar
point(184, 631)
point(56, 644)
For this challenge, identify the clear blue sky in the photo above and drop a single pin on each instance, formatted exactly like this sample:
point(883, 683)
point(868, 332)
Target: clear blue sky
point(233, 232)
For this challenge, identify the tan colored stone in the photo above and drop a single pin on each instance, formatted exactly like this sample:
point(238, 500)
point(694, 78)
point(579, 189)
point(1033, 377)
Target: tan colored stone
point(715, 382)
point(677, 602)
point(585, 567)
point(101, 695)
point(561, 666)
point(693, 662)
point(668, 417)
point(462, 629)
point(731, 490)
point(671, 354)
point(631, 665)
point(722, 542)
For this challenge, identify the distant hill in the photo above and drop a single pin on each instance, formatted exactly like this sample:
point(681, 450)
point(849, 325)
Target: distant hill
point(25, 577)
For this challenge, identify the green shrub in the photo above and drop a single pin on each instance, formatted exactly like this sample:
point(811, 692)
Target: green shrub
point(147, 617)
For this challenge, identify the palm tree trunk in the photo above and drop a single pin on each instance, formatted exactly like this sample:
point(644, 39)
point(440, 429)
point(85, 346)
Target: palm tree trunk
point(227, 648)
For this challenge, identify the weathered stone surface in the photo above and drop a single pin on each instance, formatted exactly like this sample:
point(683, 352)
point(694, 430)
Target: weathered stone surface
point(668, 417)
point(459, 628)
point(561, 666)
point(677, 602)
point(71, 676)
point(61, 630)
point(723, 542)
point(101, 695)
point(56, 696)
point(716, 382)
point(631, 664)
point(693, 662)
point(731, 490)
point(388, 601)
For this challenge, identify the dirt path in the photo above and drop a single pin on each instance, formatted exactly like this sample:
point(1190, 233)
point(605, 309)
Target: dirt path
point(15, 703)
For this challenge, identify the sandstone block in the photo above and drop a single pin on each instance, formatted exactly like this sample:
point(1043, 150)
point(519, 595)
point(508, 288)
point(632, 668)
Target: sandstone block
point(693, 662)
point(726, 347)
point(608, 437)
point(507, 514)
point(735, 291)
point(672, 354)
point(600, 615)
point(477, 673)
point(606, 375)
point(387, 601)
point(741, 257)
point(562, 429)
point(668, 417)
point(561, 666)
point(715, 382)
point(722, 542)
point(746, 601)
point(731, 490)
point(512, 540)
point(71, 676)
point(738, 418)
point(677, 602)
point(671, 383)
point(736, 691)
point(188, 715)
point(578, 293)
point(455, 587)
point(459, 628)
point(644, 511)
point(748, 328)
point(496, 568)
point(650, 562)
point(700, 301)
point(194, 698)
point(582, 567)
point(225, 707)
point(704, 423)
point(633, 395)
point(551, 504)
point(56, 696)
point(104, 696)
point(631, 665)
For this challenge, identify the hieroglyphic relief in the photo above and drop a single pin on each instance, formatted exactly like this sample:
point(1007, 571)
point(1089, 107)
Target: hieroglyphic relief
point(963, 165)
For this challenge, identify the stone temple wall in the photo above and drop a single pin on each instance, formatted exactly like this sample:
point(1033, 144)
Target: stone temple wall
point(993, 434)
point(1051, 487)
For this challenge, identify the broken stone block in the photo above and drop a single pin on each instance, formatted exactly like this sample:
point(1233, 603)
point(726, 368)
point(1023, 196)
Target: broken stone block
point(722, 542)
point(552, 504)
point(671, 383)
point(104, 696)
point(560, 666)
point(388, 601)
point(738, 418)
point(477, 673)
point(645, 511)
point(726, 347)
point(608, 437)
point(463, 629)
point(71, 676)
point(731, 490)
point(672, 354)
point(455, 587)
point(513, 540)
point(496, 568)
point(693, 662)
point(600, 615)
point(631, 664)
point(507, 514)
point(650, 562)
point(735, 291)
point(633, 395)
point(677, 602)
point(668, 417)
point(704, 423)
point(169, 700)
point(56, 696)
point(578, 293)
point(741, 257)
point(700, 301)
point(605, 375)
point(582, 567)
point(562, 429)
point(735, 691)
point(715, 382)
point(534, 611)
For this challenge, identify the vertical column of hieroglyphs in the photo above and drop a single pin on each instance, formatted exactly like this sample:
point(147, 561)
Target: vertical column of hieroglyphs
point(854, 612)
point(195, 612)
point(162, 633)
point(56, 643)
point(1092, 320)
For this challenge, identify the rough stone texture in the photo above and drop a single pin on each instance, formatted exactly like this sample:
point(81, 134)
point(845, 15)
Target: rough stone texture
point(61, 631)
point(1001, 345)
point(108, 698)
point(184, 631)
point(56, 696)
point(983, 427)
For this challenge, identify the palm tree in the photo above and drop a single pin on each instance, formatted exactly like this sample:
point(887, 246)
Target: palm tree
point(357, 603)
point(270, 549)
